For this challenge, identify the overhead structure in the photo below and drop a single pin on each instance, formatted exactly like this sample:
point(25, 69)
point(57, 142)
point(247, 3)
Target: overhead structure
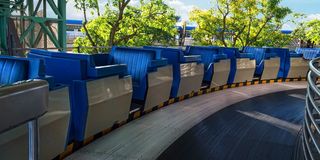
point(32, 24)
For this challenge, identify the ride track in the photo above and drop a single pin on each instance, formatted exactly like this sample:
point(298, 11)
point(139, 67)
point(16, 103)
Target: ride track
point(73, 147)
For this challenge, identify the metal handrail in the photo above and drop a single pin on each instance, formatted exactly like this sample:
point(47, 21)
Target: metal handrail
point(311, 126)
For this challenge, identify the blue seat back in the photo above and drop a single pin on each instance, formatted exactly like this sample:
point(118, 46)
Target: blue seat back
point(138, 61)
point(64, 69)
point(13, 69)
point(209, 55)
point(232, 55)
point(309, 53)
point(174, 56)
point(77, 70)
point(205, 52)
point(259, 54)
point(92, 60)
point(284, 55)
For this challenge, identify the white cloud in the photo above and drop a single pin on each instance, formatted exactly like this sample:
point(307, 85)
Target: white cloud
point(135, 2)
point(288, 26)
point(181, 8)
point(313, 16)
point(309, 17)
point(73, 13)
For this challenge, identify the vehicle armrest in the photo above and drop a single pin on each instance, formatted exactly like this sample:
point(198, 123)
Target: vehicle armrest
point(108, 70)
point(246, 55)
point(158, 63)
point(218, 57)
point(270, 55)
point(296, 55)
point(191, 58)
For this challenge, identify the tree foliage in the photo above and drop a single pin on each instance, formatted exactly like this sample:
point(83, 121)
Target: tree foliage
point(307, 32)
point(313, 31)
point(84, 6)
point(240, 23)
point(123, 24)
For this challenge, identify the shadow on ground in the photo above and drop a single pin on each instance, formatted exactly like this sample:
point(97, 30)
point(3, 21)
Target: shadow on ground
point(262, 128)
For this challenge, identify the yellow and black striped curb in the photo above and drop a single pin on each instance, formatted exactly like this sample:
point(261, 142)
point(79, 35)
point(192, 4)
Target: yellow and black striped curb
point(71, 148)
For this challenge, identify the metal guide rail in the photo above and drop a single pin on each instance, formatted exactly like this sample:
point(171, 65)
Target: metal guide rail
point(311, 128)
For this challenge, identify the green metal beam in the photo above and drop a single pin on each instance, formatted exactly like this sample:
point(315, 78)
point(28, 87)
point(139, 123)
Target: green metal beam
point(26, 32)
point(51, 35)
point(3, 35)
point(29, 16)
point(4, 29)
point(62, 28)
point(31, 33)
point(54, 7)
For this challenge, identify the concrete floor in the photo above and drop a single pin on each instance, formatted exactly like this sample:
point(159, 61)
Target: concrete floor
point(147, 137)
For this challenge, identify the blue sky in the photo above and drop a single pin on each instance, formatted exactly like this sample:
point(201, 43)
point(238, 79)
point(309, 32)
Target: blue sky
point(302, 6)
point(309, 7)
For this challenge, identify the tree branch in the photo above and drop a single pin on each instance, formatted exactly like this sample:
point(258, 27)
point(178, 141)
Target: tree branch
point(260, 30)
point(85, 27)
point(237, 36)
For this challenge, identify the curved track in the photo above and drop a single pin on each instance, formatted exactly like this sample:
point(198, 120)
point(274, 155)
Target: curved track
point(254, 122)
point(265, 127)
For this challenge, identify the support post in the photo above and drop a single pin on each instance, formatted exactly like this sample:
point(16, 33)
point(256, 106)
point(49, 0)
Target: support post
point(62, 28)
point(31, 10)
point(3, 34)
point(33, 139)
point(45, 37)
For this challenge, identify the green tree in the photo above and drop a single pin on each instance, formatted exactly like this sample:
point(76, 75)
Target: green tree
point(122, 24)
point(84, 6)
point(313, 31)
point(307, 32)
point(239, 23)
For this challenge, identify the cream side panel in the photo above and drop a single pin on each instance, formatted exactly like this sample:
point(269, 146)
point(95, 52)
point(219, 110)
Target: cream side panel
point(191, 69)
point(271, 68)
point(299, 67)
point(103, 89)
point(245, 70)
point(53, 131)
point(109, 102)
point(221, 73)
point(159, 87)
point(191, 78)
